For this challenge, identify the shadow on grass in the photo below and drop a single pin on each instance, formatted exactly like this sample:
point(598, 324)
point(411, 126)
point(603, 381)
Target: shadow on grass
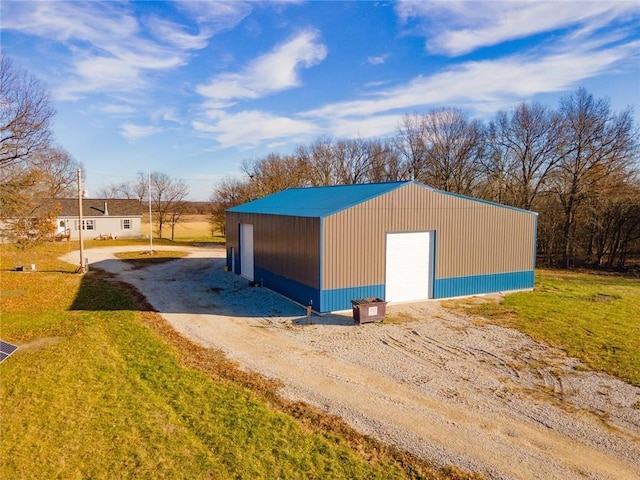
point(101, 291)
point(197, 286)
point(38, 270)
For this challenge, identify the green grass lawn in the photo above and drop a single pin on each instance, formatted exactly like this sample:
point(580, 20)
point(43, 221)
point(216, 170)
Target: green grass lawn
point(102, 387)
point(595, 318)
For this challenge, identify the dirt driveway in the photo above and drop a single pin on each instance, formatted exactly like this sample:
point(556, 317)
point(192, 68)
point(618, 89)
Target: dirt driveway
point(445, 386)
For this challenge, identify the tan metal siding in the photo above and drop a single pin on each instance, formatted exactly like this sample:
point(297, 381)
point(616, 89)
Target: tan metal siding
point(286, 246)
point(352, 248)
point(472, 237)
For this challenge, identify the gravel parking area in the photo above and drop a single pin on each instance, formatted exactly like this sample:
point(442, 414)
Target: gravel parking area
point(442, 385)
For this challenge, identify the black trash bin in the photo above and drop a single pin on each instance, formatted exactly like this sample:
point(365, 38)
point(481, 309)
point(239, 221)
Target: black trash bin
point(367, 310)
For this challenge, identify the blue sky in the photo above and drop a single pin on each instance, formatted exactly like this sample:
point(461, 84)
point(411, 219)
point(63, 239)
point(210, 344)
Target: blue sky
point(193, 88)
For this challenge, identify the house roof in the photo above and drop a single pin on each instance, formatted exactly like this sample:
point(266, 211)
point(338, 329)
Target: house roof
point(316, 201)
point(95, 207)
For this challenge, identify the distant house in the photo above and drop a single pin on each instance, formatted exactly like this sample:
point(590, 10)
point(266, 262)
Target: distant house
point(101, 218)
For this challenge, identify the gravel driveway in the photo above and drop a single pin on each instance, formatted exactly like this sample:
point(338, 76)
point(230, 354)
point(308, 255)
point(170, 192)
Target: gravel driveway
point(447, 387)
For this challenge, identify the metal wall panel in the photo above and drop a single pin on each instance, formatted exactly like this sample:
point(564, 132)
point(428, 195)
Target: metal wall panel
point(478, 284)
point(472, 237)
point(286, 246)
point(296, 291)
point(340, 299)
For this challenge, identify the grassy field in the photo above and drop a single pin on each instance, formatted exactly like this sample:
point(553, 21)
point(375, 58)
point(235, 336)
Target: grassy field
point(102, 387)
point(191, 228)
point(595, 318)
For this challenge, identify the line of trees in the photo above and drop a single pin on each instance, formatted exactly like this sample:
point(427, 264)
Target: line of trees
point(577, 166)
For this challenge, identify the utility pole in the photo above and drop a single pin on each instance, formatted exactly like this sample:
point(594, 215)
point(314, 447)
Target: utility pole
point(150, 217)
point(80, 220)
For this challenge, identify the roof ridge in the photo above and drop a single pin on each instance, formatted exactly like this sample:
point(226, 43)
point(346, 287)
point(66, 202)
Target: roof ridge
point(314, 201)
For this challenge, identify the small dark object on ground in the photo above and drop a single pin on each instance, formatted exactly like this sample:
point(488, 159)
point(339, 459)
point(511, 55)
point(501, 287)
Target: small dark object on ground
point(367, 310)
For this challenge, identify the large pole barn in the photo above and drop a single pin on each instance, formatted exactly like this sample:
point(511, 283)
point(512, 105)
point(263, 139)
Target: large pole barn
point(396, 241)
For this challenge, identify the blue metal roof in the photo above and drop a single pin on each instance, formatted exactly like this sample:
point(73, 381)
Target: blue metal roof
point(315, 202)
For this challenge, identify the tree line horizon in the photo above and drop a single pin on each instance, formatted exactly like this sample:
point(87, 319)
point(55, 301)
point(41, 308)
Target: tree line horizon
point(577, 166)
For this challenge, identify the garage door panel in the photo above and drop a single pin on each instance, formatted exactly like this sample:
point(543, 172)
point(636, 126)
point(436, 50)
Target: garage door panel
point(408, 266)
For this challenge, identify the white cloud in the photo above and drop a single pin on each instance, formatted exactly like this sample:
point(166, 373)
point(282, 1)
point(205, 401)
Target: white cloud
point(487, 84)
point(166, 114)
point(377, 60)
point(252, 127)
point(132, 132)
point(177, 35)
point(216, 14)
point(117, 109)
point(459, 27)
point(273, 72)
point(367, 127)
point(110, 50)
point(375, 84)
point(98, 24)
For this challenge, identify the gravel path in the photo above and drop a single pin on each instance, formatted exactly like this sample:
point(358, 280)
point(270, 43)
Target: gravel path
point(445, 386)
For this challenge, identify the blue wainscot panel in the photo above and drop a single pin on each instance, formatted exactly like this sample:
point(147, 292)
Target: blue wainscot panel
point(478, 284)
point(296, 291)
point(340, 298)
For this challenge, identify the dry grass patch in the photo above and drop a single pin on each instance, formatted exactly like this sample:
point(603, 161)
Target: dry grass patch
point(398, 317)
point(592, 317)
point(191, 228)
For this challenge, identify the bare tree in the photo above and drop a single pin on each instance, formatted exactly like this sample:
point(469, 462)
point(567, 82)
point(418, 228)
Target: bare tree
point(318, 162)
point(549, 228)
point(17, 185)
point(594, 144)
point(111, 190)
point(522, 152)
point(385, 163)
point(31, 223)
point(410, 143)
point(347, 161)
point(132, 190)
point(138, 189)
point(229, 193)
point(352, 161)
point(611, 222)
point(274, 173)
point(455, 146)
point(494, 174)
point(443, 148)
point(25, 114)
point(176, 213)
point(167, 199)
point(58, 173)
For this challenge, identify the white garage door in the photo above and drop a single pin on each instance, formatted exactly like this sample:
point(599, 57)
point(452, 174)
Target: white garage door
point(408, 266)
point(246, 250)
